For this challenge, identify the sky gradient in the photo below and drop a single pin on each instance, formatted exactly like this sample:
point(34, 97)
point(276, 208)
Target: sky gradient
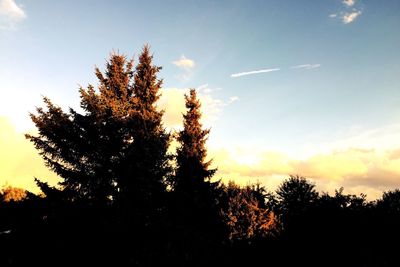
point(288, 87)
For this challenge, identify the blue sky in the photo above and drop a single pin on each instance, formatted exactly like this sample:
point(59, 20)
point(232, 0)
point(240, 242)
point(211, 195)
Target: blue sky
point(347, 82)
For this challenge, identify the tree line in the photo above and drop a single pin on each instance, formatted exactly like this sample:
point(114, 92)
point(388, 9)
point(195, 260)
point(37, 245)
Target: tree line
point(125, 200)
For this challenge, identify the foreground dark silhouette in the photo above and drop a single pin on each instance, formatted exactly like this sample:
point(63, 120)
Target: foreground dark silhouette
point(124, 200)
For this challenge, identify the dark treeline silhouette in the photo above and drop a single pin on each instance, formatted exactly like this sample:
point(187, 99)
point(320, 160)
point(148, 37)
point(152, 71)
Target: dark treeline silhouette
point(125, 200)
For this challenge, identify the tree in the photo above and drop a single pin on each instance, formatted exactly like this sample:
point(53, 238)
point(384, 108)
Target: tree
point(296, 195)
point(147, 163)
point(9, 193)
point(390, 202)
point(116, 149)
point(85, 149)
point(192, 168)
point(194, 211)
point(112, 157)
point(244, 214)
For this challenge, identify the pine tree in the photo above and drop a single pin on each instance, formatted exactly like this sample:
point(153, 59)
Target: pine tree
point(116, 149)
point(195, 211)
point(193, 170)
point(84, 149)
point(142, 188)
point(147, 161)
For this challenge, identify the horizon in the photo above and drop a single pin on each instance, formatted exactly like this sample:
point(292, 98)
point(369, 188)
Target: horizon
point(286, 88)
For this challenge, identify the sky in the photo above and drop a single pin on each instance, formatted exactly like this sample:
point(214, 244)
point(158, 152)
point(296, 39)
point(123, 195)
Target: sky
point(288, 87)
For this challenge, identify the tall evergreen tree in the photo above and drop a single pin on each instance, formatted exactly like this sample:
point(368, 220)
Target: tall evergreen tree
point(147, 161)
point(115, 152)
point(85, 149)
point(193, 171)
point(117, 149)
point(195, 211)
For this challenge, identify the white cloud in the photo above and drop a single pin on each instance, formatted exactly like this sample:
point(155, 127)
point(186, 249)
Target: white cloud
point(204, 88)
point(233, 99)
point(10, 14)
point(235, 75)
point(173, 102)
point(207, 90)
point(350, 17)
point(184, 63)
point(184, 77)
point(306, 66)
point(349, 2)
point(349, 12)
point(380, 139)
point(187, 66)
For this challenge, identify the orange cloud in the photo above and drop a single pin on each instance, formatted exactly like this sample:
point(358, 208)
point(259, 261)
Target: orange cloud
point(368, 161)
point(359, 170)
point(173, 102)
point(19, 160)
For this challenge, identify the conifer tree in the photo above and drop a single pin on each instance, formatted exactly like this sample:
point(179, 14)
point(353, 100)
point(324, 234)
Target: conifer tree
point(192, 168)
point(84, 149)
point(116, 149)
point(112, 155)
point(147, 161)
point(195, 210)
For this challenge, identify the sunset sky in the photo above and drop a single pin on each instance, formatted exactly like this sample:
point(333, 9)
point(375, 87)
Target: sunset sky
point(288, 87)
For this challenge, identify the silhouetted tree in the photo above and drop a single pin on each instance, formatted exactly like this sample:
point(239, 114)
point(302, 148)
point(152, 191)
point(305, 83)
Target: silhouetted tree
point(114, 154)
point(244, 214)
point(144, 168)
point(146, 165)
point(295, 196)
point(113, 207)
point(119, 143)
point(390, 202)
point(192, 169)
point(86, 149)
point(194, 208)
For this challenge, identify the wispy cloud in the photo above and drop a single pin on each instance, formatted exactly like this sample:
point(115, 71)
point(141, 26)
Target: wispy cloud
point(233, 99)
point(235, 75)
point(349, 2)
point(349, 13)
point(350, 17)
point(10, 14)
point(306, 66)
point(184, 63)
point(187, 66)
point(204, 88)
point(173, 102)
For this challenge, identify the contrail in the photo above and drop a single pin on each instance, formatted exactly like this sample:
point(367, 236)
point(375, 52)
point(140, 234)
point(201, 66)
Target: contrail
point(235, 75)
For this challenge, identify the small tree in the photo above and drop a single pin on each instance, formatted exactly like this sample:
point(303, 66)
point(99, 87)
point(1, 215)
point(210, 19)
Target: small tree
point(295, 196)
point(390, 202)
point(9, 193)
point(244, 214)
